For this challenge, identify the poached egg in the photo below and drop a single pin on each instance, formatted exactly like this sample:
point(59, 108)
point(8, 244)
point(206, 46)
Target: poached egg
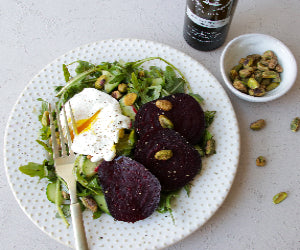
point(99, 120)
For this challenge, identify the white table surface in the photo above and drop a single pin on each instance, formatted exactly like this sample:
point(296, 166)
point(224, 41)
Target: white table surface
point(33, 33)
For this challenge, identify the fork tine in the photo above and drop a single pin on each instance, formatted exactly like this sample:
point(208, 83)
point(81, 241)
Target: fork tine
point(61, 134)
point(69, 139)
point(73, 120)
point(52, 128)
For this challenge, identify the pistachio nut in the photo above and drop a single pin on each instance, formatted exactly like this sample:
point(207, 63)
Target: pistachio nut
point(233, 74)
point(269, 54)
point(265, 81)
point(164, 105)
point(258, 125)
point(269, 74)
point(260, 161)
point(257, 92)
point(130, 99)
point(279, 197)
point(89, 203)
point(272, 63)
point(116, 94)
point(279, 68)
point(165, 122)
point(262, 66)
point(295, 124)
point(243, 73)
point(252, 83)
point(240, 85)
point(272, 86)
point(122, 87)
point(141, 74)
point(163, 155)
point(210, 147)
point(99, 84)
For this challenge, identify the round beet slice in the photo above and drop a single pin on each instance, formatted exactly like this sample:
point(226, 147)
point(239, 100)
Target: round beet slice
point(186, 115)
point(131, 192)
point(175, 172)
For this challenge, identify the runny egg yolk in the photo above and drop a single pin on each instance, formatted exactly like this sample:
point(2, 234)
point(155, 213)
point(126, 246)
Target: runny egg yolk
point(84, 124)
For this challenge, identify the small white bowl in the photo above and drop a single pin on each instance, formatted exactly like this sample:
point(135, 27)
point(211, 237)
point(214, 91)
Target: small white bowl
point(248, 44)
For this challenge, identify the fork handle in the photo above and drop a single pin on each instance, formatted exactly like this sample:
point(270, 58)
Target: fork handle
point(78, 227)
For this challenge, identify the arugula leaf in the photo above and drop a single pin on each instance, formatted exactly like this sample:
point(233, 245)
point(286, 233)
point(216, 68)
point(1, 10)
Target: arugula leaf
point(165, 202)
point(33, 169)
point(187, 188)
point(75, 80)
point(173, 83)
point(83, 66)
point(45, 146)
point(126, 144)
point(209, 117)
point(97, 214)
point(44, 107)
point(140, 88)
point(67, 74)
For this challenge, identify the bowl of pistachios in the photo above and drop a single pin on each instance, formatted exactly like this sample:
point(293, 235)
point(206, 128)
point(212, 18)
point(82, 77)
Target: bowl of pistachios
point(258, 67)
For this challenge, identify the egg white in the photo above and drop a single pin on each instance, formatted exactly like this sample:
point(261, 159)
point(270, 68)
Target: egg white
point(98, 138)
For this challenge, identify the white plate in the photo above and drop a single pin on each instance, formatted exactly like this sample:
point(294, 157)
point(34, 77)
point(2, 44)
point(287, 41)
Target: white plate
point(158, 231)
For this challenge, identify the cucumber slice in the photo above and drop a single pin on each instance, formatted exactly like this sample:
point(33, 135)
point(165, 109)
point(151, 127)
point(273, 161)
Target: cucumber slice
point(85, 166)
point(129, 111)
point(109, 87)
point(51, 192)
point(100, 199)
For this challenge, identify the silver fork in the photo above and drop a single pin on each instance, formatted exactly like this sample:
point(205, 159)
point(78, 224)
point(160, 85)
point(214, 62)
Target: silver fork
point(64, 168)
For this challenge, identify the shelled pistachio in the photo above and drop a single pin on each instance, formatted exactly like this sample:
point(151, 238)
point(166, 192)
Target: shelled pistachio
point(257, 74)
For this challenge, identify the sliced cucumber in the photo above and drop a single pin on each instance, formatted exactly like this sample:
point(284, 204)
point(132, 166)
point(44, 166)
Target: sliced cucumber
point(129, 111)
point(85, 166)
point(157, 81)
point(51, 192)
point(100, 199)
point(109, 87)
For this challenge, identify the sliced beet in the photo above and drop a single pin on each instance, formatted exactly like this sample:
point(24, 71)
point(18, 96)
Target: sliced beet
point(131, 192)
point(186, 115)
point(175, 172)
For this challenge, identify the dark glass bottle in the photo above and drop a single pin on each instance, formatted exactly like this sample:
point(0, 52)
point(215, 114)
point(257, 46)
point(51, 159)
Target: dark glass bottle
point(207, 22)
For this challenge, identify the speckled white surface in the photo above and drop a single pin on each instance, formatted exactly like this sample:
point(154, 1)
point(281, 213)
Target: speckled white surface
point(36, 32)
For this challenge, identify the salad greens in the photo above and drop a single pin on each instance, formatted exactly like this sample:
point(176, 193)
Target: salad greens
point(148, 84)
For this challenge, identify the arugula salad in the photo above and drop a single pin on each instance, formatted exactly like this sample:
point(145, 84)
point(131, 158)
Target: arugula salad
point(133, 86)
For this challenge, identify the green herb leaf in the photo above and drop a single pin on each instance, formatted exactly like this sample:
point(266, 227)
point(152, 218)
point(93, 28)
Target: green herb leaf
point(75, 80)
point(173, 83)
point(126, 144)
point(67, 74)
point(83, 66)
point(209, 117)
point(33, 169)
point(97, 214)
point(45, 146)
point(165, 201)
